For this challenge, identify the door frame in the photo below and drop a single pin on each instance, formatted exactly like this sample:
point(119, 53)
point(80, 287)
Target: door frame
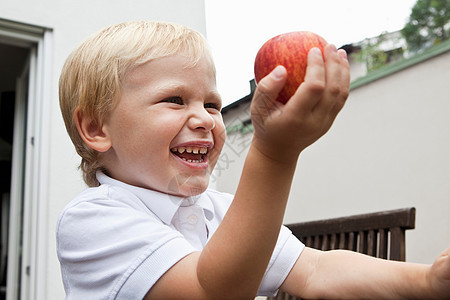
point(30, 166)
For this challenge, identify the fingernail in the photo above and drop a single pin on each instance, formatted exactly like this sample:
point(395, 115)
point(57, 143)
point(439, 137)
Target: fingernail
point(315, 51)
point(278, 73)
point(343, 54)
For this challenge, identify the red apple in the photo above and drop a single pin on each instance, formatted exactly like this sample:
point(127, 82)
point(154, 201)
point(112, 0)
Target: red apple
point(289, 50)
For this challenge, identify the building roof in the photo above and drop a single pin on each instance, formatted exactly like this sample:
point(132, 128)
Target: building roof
point(241, 101)
point(401, 64)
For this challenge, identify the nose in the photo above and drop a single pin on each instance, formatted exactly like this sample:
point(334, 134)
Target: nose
point(201, 119)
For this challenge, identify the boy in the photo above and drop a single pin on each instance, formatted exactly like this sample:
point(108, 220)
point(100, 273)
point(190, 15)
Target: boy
point(140, 104)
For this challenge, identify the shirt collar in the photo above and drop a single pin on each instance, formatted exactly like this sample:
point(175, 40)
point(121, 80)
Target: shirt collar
point(161, 204)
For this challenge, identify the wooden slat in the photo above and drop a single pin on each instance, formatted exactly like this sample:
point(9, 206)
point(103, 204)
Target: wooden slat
point(372, 243)
point(383, 244)
point(397, 250)
point(352, 241)
point(343, 241)
point(334, 242)
point(309, 241)
point(404, 218)
point(362, 244)
point(317, 242)
point(324, 245)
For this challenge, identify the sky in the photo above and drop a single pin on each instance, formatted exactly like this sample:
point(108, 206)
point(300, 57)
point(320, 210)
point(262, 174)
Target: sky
point(236, 29)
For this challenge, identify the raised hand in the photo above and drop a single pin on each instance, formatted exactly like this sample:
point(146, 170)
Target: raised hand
point(282, 131)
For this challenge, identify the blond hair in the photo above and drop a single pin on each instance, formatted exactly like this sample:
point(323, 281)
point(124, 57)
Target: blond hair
point(91, 77)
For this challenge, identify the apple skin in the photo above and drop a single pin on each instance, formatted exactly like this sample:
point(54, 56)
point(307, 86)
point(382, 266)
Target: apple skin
point(291, 51)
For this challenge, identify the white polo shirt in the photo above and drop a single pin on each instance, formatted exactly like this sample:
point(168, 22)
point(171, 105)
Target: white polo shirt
point(115, 241)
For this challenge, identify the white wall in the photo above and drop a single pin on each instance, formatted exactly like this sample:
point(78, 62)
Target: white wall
point(72, 21)
point(389, 148)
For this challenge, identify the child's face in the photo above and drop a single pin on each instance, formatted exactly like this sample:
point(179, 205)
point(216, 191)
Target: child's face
point(166, 131)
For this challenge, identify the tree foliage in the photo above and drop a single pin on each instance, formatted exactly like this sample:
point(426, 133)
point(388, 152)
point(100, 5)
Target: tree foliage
point(371, 54)
point(428, 24)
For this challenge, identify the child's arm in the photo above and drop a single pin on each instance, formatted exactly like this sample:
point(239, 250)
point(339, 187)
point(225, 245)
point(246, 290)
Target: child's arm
point(233, 262)
point(341, 274)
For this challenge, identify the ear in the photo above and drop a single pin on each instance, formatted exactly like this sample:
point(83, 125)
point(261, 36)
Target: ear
point(93, 134)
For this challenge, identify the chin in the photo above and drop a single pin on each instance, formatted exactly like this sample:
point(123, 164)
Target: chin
point(186, 186)
point(194, 190)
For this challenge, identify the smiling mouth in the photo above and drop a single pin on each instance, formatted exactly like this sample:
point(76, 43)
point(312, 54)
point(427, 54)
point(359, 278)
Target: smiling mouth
point(192, 154)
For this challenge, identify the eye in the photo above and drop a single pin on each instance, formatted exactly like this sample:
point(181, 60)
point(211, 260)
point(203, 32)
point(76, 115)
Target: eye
point(174, 100)
point(212, 105)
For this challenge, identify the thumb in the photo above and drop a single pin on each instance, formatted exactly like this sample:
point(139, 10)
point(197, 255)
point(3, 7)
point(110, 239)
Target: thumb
point(268, 89)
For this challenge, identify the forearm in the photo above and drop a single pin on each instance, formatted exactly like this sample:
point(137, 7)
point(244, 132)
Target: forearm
point(246, 237)
point(351, 275)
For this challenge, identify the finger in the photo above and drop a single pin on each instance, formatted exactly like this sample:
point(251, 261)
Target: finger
point(345, 81)
point(309, 93)
point(343, 54)
point(346, 65)
point(345, 70)
point(266, 93)
point(337, 82)
point(271, 85)
point(332, 79)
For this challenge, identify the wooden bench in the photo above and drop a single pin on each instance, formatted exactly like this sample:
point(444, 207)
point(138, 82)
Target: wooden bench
point(380, 234)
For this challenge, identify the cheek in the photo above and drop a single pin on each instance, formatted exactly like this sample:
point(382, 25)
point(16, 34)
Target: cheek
point(220, 132)
point(219, 141)
point(122, 120)
point(153, 127)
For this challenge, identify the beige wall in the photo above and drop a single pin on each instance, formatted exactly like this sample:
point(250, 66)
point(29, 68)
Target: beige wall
point(389, 148)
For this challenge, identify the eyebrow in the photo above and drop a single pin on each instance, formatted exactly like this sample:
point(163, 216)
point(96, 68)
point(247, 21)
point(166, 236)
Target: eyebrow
point(215, 95)
point(175, 88)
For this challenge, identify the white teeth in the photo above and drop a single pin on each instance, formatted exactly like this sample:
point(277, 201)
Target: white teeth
point(192, 160)
point(190, 149)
